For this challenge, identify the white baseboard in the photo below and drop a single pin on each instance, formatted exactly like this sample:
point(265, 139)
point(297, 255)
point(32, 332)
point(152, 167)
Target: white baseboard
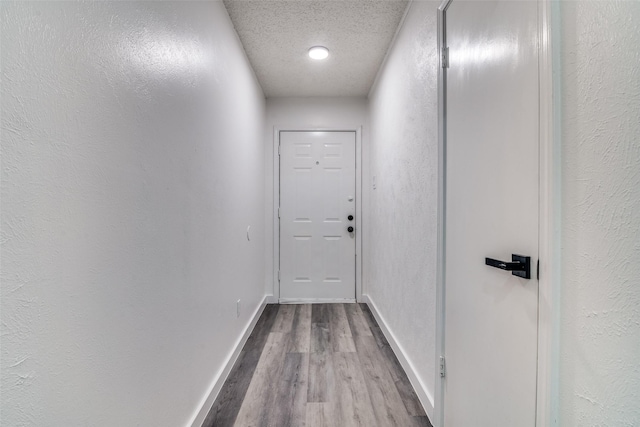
point(425, 397)
point(218, 382)
point(271, 299)
point(316, 300)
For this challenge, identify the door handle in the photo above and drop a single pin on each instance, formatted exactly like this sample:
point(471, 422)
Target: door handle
point(520, 265)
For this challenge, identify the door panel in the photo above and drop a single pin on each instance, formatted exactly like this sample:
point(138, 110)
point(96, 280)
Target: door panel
point(317, 193)
point(491, 211)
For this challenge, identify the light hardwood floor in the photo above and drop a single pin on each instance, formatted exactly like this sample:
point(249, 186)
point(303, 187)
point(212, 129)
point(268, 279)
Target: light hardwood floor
point(317, 365)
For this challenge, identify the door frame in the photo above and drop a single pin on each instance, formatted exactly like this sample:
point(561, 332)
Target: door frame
point(276, 204)
point(549, 172)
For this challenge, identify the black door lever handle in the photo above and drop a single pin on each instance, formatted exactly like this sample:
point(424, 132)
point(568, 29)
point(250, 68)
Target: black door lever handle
point(503, 265)
point(520, 265)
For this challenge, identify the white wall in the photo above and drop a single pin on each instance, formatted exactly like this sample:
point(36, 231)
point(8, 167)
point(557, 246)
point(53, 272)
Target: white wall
point(132, 164)
point(401, 236)
point(599, 371)
point(304, 113)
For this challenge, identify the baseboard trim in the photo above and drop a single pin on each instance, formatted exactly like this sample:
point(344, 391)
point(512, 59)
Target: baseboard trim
point(271, 299)
point(425, 397)
point(218, 382)
point(316, 300)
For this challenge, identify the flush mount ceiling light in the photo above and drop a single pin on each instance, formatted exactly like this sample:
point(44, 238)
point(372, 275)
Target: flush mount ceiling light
point(318, 52)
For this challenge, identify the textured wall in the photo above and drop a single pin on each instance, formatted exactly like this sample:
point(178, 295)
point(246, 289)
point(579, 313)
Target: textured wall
point(600, 304)
point(132, 164)
point(304, 113)
point(400, 252)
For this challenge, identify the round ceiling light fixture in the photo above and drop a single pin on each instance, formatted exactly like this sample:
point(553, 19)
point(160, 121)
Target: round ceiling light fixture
point(318, 52)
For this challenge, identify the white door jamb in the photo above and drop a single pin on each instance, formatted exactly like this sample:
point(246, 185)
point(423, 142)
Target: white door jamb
point(438, 404)
point(550, 206)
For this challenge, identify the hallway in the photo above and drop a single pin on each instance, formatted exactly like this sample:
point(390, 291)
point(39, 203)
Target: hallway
point(140, 214)
point(317, 365)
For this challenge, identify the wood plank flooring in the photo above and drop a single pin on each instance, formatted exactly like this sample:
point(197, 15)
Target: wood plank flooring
point(317, 365)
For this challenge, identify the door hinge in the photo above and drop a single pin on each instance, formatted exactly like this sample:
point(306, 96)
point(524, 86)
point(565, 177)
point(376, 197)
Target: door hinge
point(278, 149)
point(278, 212)
point(445, 57)
point(278, 275)
point(443, 369)
point(538, 270)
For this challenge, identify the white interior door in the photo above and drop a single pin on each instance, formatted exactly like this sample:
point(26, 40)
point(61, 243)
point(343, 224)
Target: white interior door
point(491, 211)
point(317, 198)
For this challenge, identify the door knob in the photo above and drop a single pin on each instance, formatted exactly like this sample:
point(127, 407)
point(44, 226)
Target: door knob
point(350, 229)
point(350, 217)
point(520, 265)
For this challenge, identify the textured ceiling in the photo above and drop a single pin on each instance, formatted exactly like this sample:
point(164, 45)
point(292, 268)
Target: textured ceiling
point(277, 35)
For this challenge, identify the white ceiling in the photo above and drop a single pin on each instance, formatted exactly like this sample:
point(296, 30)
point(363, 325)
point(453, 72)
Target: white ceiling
point(277, 35)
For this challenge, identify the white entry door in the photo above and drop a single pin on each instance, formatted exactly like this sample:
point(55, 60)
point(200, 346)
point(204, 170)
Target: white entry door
point(491, 212)
point(317, 209)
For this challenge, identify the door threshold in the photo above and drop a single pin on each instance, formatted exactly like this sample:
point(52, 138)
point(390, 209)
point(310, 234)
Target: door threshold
point(316, 300)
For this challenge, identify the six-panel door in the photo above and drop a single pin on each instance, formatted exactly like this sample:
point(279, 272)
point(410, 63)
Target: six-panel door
point(317, 195)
